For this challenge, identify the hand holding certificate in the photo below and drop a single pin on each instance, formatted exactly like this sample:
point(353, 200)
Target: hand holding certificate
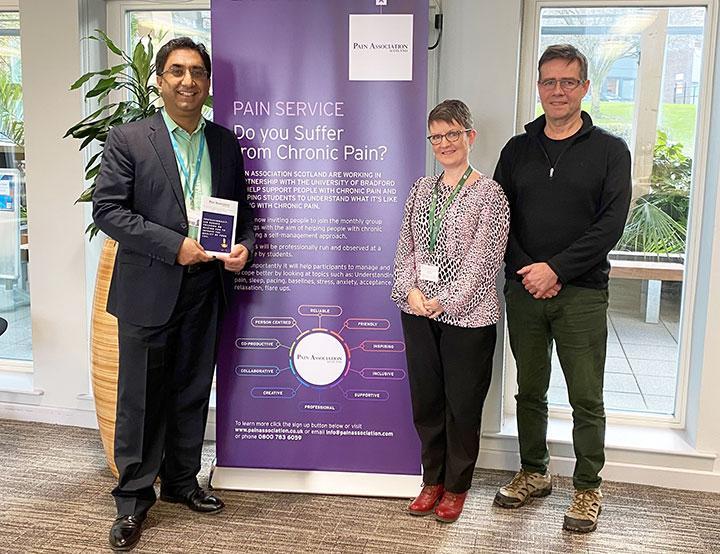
point(217, 233)
point(236, 260)
point(217, 225)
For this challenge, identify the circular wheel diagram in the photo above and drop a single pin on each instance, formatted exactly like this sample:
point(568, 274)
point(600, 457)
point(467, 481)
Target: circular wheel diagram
point(319, 358)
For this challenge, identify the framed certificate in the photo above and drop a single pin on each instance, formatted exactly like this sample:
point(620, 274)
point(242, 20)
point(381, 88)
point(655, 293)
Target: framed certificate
point(217, 225)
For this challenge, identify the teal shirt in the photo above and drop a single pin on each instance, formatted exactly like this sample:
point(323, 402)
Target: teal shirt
point(189, 145)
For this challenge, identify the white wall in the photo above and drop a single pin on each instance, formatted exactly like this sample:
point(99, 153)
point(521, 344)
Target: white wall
point(472, 69)
point(479, 61)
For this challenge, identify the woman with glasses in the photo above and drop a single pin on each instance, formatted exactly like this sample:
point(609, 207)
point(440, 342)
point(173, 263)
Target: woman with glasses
point(451, 246)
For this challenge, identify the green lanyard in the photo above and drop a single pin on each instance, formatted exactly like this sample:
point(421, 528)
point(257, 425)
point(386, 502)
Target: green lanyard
point(435, 222)
point(189, 186)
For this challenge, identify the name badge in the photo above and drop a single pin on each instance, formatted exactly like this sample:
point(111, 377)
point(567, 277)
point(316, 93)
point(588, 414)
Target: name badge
point(194, 218)
point(429, 272)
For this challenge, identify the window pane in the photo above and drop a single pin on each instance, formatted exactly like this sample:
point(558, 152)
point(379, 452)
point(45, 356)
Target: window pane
point(656, 114)
point(164, 25)
point(16, 342)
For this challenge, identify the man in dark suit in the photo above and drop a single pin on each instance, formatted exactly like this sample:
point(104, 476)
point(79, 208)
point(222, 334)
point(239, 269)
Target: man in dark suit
point(166, 289)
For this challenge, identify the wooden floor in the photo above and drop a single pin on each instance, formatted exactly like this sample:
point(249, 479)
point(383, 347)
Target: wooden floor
point(54, 497)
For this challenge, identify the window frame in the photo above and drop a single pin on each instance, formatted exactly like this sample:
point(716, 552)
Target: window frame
point(117, 11)
point(529, 46)
point(12, 366)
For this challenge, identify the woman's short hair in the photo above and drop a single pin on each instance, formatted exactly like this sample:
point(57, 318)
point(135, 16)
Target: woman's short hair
point(451, 111)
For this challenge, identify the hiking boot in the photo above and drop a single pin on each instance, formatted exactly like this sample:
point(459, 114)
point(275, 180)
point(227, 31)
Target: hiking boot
point(524, 486)
point(583, 513)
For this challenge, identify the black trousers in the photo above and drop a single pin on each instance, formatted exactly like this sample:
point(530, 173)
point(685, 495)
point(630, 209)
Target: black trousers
point(164, 383)
point(449, 369)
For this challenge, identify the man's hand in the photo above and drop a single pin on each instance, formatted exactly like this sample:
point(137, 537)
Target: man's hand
point(416, 299)
point(434, 308)
point(538, 278)
point(553, 291)
point(192, 253)
point(236, 260)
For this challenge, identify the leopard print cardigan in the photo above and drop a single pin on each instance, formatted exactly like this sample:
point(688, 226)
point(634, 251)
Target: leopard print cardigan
point(469, 250)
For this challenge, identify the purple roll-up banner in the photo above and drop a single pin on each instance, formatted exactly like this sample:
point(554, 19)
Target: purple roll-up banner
point(328, 101)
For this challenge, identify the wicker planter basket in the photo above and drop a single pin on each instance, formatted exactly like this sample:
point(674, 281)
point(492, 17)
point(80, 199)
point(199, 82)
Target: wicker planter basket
point(104, 354)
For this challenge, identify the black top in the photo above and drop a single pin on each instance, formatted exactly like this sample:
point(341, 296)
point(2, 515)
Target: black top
point(569, 213)
point(555, 148)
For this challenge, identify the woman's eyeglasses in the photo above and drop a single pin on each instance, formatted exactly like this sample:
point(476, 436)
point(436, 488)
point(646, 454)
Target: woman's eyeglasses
point(451, 136)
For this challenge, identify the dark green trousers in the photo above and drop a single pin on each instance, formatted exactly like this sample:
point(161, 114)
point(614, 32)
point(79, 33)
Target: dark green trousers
point(576, 320)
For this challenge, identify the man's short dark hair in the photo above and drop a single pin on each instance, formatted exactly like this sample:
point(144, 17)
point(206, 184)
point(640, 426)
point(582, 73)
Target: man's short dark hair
point(565, 52)
point(181, 43)
point(451, 111)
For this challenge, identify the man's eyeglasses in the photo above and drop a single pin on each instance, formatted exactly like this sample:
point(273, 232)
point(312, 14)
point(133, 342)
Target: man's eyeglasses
point(178, 71)
point(451, 136)
point(566, 84)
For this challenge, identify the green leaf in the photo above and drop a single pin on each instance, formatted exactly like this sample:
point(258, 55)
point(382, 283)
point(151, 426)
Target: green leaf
point(92, 160)
point(82, 80)
point(132, 76)
point(93, 230)
point(86, 121)
point(151, 56)
point(139, 55)
point(93, 172)
point(102, 86)
point(114, 70)
point(11, 110)
point(111, 45)
point(87, 140)
point(86, 195)
point(650, 229)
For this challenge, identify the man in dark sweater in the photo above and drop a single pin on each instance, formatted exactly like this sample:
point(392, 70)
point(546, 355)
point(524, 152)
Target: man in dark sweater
point(569, 186)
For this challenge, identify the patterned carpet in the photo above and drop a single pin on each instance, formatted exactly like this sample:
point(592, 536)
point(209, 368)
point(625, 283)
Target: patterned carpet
point(54, 497)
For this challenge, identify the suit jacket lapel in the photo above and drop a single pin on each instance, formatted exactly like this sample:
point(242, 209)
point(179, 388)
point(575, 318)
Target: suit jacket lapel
point(212, 138)
point(160, 139)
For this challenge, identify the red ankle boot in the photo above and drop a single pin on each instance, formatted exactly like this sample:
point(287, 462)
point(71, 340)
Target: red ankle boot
point(450, 506)
point(425, 502)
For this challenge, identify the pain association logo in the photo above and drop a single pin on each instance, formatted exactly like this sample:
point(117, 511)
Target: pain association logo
point(319, 359)
point(380, 47)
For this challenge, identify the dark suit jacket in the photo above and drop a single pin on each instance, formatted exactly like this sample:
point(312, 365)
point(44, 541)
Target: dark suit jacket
point(139, 202)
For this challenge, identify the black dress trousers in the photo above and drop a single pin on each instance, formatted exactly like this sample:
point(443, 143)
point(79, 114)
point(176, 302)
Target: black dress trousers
point(449, 369)
point(164, 383)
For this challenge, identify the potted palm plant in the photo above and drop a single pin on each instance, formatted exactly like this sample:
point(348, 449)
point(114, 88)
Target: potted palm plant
point(657, 223)
point(130, 80)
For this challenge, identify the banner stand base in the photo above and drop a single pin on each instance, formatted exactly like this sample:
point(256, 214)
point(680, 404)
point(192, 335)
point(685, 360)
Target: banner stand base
point(315, 482)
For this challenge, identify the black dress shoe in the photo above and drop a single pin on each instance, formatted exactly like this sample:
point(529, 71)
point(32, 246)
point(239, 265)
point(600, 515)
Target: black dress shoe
point(125, 532)
point(197, 500)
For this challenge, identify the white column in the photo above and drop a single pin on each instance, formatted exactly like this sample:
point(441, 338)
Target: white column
point(50, 45)
point(647, 99)
point(479, 64)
